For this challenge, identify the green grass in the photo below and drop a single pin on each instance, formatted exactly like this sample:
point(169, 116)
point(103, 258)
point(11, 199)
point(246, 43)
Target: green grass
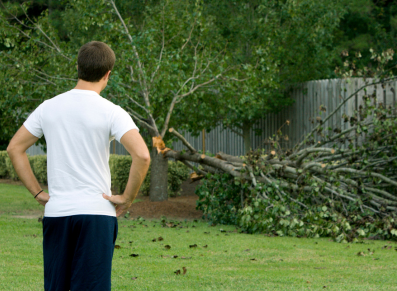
point(281, 263)
point(17, 200)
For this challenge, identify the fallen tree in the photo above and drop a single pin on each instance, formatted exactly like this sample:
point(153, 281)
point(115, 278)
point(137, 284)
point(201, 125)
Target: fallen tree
point(334, 183)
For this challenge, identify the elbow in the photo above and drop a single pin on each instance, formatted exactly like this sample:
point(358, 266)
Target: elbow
point(10, 149)
point(146, 158)
point(14, 149)
point(143, 158)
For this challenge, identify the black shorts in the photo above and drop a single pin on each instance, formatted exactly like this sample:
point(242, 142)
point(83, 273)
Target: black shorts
point(78, 252)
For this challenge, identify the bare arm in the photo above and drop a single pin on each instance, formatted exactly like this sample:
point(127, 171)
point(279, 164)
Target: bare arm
point(135, 145)
point(16, 150)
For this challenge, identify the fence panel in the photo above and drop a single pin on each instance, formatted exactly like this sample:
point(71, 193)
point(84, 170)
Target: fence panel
point(302, 115)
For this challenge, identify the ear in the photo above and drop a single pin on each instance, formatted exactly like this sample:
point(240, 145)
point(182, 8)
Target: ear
point(107, 76)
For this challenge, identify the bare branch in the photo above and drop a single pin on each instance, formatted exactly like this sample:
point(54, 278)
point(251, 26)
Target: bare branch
point(196, 169)
point(52, 77)
point(178, 98)
point(142, 75)
point(235, 79)
point(362, 173)
point(335, 137)
point(198, 86)
point(184, 141)
point(336, 109)
point(37, 27)
point(167, 119)
point(306, 152)
point(45, 79)
point(190, 35)
point(161, 52)
point(213, 60)
point(140, 119)
point(205, 160)
point(195, 64)
point(139, 105)
point(45, 35)
point(132, 74)
point(229, 158)
point(235, 131)
point(29, 37)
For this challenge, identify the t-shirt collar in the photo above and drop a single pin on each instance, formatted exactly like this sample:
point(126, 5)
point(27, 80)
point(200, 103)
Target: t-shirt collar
point(80, 91)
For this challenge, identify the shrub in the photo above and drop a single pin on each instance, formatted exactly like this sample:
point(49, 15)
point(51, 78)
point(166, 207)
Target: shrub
point(10, 169)
point(39, 167)
point(38, 164)
point(177, 173)
point(119, 169)
point(219, 199)
point(3, 167)
point(226, 200)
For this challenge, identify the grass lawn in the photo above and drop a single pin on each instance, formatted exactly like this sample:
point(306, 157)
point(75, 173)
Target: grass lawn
point(230, 260)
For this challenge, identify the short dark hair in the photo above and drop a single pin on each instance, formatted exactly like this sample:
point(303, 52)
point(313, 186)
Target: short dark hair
point(94, 60)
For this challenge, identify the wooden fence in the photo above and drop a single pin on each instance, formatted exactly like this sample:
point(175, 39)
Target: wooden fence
point(302, 116)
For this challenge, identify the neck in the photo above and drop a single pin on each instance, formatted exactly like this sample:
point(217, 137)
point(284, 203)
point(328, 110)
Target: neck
point(84, 85)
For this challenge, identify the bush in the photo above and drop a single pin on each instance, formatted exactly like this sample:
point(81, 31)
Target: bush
point(219, 199)
point(10, 169)
point(177, 173)
point(119, 169)
point(225, 200)
point(39, 167)
point(3, 167)
point(38, 164)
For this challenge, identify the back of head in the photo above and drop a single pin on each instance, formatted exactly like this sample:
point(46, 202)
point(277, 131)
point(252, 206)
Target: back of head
point(94, 60)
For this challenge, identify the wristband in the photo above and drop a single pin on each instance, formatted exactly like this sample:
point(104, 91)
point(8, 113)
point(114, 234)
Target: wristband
point(38, 194)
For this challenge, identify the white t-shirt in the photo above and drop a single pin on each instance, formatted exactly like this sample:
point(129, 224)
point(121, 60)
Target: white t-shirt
point(78, 126)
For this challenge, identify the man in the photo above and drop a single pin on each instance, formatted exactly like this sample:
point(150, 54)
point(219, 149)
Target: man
point(80, 224)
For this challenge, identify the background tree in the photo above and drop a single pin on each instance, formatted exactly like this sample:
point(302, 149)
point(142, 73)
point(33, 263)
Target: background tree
point(161, 60)
point(367, 24)
point(18, 97)
point(364, 24)
point(162, 44)
point(274, 44)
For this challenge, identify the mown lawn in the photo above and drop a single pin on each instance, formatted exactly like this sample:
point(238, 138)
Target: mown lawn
point(230, 260)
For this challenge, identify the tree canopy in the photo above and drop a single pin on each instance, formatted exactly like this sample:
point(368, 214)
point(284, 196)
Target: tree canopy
point(269, 43)
point(274, 44)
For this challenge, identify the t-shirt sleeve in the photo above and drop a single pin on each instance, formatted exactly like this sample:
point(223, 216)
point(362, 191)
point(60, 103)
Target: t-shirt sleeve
point(121, 123)
point(33, 124)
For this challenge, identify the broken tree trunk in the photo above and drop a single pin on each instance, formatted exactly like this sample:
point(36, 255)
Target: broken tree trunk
point(364, 174)
point(158, 190)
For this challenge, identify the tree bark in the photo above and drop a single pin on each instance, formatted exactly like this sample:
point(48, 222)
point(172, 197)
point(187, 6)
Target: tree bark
point(312, 170)
point(229, 158)
point(247, 137)
point(158, 190)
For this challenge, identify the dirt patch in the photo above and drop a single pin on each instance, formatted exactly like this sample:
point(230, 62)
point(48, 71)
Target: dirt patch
point(37, 216)
point(178, 207)
point(181, 207)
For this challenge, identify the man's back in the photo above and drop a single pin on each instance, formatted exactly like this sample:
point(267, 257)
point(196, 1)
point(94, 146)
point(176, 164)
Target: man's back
point(80, 224)
point(78, 125)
